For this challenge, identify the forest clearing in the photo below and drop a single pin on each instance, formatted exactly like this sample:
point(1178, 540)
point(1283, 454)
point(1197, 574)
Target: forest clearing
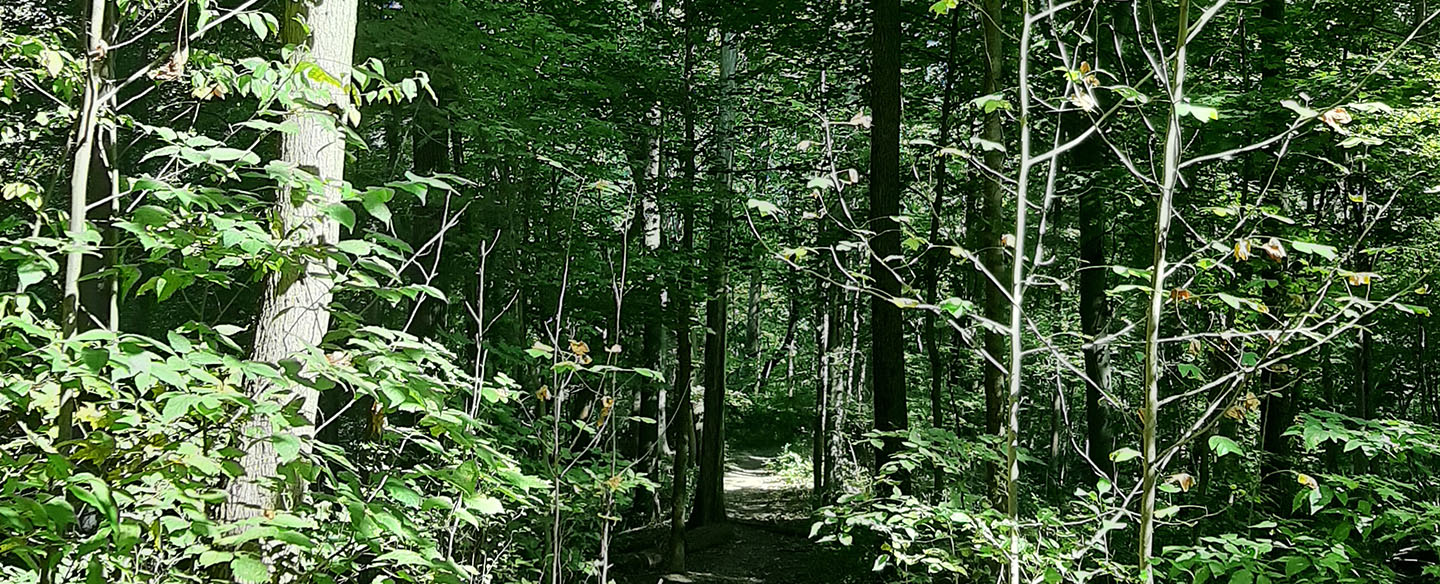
point(719, 291)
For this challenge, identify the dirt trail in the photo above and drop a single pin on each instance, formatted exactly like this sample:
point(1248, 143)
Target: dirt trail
point(765, 541)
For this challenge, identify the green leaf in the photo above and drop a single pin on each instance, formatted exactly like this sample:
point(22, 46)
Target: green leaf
point(52, 62)
point(820, 182)
point(1354, 141)
point(1295, 564)
point(374, 201)
point(485, 505)
point(404, 558)
point(256, 24)
point(30, 273)
point(1124, 454)
point(287, 446)
point(1223, 446)
point(402, 493)
point(765, 208)
point(956, 306)
point(1199, 112)
point(986, 144)
point(1295, 106)
point(1324, 251)
point(341, 213)
point(358, 247)
point(251, 570)
point(318, 74)
point(990, 103)
point(219, 155)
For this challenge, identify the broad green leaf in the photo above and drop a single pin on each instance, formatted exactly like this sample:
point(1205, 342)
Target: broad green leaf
point(30, 273)
point(342, 214)
point(765, 208)
point(1223, 446)
point(249, 570)
point(1199, 112)
point(1324, 251)
point(1124, 454)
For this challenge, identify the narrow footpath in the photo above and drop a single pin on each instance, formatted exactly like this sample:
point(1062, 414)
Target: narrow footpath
point(765, 541)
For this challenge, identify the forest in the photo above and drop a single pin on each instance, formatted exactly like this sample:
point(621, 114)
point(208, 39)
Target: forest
point(719, 291)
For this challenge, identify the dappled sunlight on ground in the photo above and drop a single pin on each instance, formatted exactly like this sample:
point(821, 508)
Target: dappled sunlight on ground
point(766, 541)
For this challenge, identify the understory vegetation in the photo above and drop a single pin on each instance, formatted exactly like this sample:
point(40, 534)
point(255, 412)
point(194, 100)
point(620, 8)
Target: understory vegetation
point(1022, 291)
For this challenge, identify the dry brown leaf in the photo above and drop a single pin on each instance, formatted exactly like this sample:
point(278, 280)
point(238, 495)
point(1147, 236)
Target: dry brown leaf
point(1274, 249)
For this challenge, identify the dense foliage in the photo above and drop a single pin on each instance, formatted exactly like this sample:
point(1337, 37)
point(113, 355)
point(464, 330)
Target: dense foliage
point(461, 290)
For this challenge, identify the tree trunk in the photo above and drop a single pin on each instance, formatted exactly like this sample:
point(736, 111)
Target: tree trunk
point(295, 307)
point(90, 302)
point(786, 348)
point(1277, 407)
point(989, 239)
point(1150, 408)
point(887, 325)
point(710, 490)
point(684, 415)
point(935, 257)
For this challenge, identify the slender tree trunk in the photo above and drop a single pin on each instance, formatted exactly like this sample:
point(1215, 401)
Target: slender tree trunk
point(752, 304)
point(1094, 323)
point(645, 166)
point(824, 347)
point(989, 238)
point(1150, 408)
point(1094, 282)
point(91, 302)
point(1015, 374)
point(430, 154)
point(710, 490)
point(786, 348)
point(887, 325)
point(935, 257)
point(684, 351)
point(1277, 407)
point(295, 308)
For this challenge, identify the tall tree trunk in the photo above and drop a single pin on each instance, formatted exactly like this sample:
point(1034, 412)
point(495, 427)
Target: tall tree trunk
point(752, 304)
point(684, 415)
point(887, 325)
point(786, 348)
point(1277, 407)
point(710, 490)
point(295, 307)
point(1150, 408)
point(935, 257)
point(90, 302)
point(825, 369)
point(989, 238)
point(645, 166)
point(430, 154)
point(1094, 282)
point(1015, 373)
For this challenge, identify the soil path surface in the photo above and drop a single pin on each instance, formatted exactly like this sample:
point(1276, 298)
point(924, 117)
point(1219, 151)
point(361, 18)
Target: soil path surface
point(765, 541)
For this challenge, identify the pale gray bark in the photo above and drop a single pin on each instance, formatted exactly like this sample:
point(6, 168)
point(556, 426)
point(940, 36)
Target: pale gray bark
point(295, 308)
point(1150, 409)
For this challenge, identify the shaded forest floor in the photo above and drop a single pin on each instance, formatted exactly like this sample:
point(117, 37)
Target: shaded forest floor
point(765, 541)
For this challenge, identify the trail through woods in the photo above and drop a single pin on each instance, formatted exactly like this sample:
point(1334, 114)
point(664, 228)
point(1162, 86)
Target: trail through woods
point(765, 540)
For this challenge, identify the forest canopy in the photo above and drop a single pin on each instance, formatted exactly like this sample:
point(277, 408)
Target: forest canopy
point(1021, 291)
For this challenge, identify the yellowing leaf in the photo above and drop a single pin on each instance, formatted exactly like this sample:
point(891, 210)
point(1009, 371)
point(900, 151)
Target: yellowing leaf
point(1242, 250)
